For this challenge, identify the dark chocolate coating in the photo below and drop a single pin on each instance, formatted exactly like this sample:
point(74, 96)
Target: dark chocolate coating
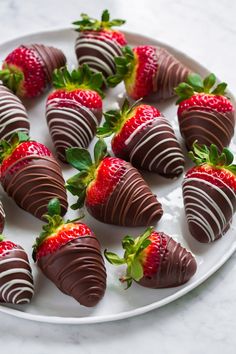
point(176, 266)
point(35, 183)
point(170, 73)
point(209, 209)
point(50, 57)
point(16, 281)
point(155, 148)
point(71, 124)
point(2, 218)
point(97, 51)
point(207, 126)
point(131, 203)
point(13, 115)
point(78, 270)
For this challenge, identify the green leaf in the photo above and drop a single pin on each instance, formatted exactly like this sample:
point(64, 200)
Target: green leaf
point(113, 258)
point(79, 158)
point(232, 168)
point(220, 89)
point(136, 270)
point(213, 154)
point(229, 156)
point(105, 16)
point(80, 201)
point(116, 22)
point(125, 107)
point(209, 82)
point(54, 207)
point(100, 151)
point(196, 82)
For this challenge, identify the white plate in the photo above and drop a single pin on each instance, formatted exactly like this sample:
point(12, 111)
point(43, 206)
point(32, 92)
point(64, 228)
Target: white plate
point(49, 304)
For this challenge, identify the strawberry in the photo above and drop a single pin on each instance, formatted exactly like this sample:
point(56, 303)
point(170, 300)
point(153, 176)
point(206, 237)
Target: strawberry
point(69, 254)
point(30, 174)
point(113, 191)
point(154, 260)
point(148, 71)
point(74, 109)
point(98, 44)
point(205, 113)
point(27, 70)
point(2, 217)
point(209, 191)
point(144, 137)
point(16, 281)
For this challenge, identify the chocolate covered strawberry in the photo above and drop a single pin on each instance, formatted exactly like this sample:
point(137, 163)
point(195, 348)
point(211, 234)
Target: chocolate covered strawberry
point(74, 109)
point(69, 254)
point(2, 217)
point(154, 260)
point(16, 281)
point(148, 71)
point(209, 192)
point(28, 69)
point(112, 189)
point(205, 113)
point(13, 115)
point(143, 136)
point(31, 175)
point(98, 44)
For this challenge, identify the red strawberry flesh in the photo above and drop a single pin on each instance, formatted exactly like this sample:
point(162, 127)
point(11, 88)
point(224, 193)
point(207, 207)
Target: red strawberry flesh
point(64, 234)
point(24, 60)
point(137, 119)
point(116, 36)
point(86, 97)
point(204, 100)
point(107, 176)
point(6, 246)
point(24, 149)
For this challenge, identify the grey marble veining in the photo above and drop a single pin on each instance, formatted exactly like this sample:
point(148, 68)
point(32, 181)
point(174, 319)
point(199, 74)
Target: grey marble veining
point(204, 320)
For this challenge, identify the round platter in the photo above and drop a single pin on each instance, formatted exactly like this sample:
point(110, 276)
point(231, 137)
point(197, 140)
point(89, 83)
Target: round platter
point(49, 304)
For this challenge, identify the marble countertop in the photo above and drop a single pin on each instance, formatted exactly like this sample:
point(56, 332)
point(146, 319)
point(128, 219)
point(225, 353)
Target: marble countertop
point(204, 320)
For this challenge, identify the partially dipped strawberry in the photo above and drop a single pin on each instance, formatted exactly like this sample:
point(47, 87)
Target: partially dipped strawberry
point(69, 254)
point(205, 113)
point(209, 192)
point(143, 136)
point(154, 260)
point(148, 71)
point(113, 190)
point(28, 69)
point(16, 280)
point(31, 175)
point(98, 43)
point(74, 109)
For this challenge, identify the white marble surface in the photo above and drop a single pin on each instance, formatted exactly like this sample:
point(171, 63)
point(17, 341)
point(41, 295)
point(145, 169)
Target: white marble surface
point(205, 319)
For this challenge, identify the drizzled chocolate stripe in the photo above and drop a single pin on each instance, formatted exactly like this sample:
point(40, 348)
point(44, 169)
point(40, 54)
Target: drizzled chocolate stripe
point(176, 266)
point(97, 51)
point(78, 270)
point(71, 124)
point(13, 115)
point(207, 126)
point(16, 281)
point(51, 58)
point(130, 204)
point(33, 185)
point(2, 217)
point(170, 73)
point(209, 208)
point(155, 148)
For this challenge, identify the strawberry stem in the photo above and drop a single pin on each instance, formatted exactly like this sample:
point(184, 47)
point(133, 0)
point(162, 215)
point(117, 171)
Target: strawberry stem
point(124, 67)
point(90, 24)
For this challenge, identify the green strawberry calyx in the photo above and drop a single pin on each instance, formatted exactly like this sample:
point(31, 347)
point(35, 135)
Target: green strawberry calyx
point(13, 78)
point(2, 238)
point(91, 24)
point(125, 65)
point(82, 78)
point(7, 148)
point(132, 256)
point(115, 119)
point(53, 222)
point(81, 159)
point(211, 156)
point(196, 84)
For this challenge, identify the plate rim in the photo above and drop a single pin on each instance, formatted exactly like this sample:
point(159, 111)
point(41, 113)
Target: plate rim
point(143, 309)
